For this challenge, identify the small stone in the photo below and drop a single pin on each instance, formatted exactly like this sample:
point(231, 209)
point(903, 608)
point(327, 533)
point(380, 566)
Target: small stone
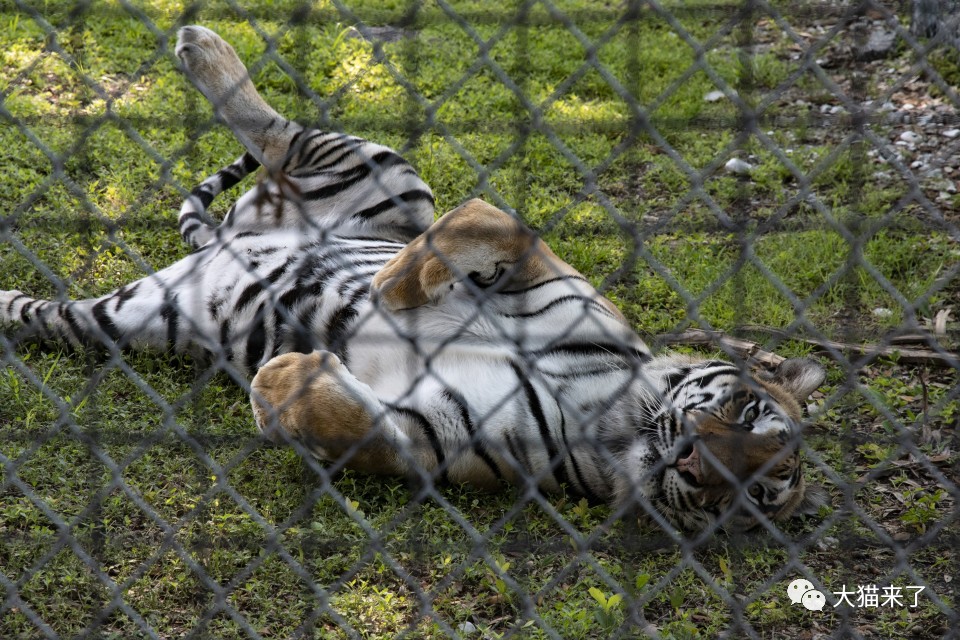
point(738, 166)
point(947, 577)
point(827, 542)
point(713, 96)
point(467, 627)
point(882, 312)
point(951, 133)
point(878, 45)
point(910, 137)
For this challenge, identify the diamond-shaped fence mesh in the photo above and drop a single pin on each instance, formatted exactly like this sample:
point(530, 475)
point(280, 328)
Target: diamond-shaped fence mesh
point(691, 372)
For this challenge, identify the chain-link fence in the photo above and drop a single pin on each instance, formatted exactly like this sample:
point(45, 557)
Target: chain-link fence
point(747, 183)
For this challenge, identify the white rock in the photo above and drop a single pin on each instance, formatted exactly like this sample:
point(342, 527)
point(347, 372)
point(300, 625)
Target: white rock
point(882, 312)
point(952, 133)
point(467, 627)
point(713, 96)
point(738, 166)
point(910, 137)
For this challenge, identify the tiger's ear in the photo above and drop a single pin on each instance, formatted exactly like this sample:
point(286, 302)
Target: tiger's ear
point(799, 376)
point(814, 497)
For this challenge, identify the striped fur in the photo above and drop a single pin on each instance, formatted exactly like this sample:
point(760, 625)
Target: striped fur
point(463, 349)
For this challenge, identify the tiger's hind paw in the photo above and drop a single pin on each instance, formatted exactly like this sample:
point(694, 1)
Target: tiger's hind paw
point(212, 64)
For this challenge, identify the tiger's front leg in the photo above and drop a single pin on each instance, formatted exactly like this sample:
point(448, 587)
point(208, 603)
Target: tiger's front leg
point(475, 241)
point(313, 399)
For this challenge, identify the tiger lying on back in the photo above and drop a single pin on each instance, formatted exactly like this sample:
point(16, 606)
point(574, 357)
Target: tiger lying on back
point(463, 349)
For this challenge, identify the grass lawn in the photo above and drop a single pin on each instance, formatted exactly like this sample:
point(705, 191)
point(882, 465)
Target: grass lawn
point(136, 500)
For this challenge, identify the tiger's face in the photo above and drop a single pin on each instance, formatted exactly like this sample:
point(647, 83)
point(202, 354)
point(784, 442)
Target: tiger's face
point(730, 446)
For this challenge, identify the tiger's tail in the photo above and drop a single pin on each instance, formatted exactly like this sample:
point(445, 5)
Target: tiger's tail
point(195, 229)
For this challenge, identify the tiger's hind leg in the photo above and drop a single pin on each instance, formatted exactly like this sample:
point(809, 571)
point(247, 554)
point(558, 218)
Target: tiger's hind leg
point(216, 70)
point(313, 399)
point(475, 241)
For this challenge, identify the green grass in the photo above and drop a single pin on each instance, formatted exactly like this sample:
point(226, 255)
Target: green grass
point(129, 135)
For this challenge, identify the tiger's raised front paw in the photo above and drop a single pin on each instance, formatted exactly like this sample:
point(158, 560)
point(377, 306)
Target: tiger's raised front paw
point(403, 283)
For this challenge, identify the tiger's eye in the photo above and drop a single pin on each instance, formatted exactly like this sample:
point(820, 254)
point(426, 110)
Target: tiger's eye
point(755, 491)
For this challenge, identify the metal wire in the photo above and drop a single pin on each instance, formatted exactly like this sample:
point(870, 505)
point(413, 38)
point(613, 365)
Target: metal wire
point(834, 47)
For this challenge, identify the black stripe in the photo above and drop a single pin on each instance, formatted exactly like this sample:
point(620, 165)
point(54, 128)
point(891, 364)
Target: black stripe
point(332, 162)
point(169, 313)
point(264, 251)
point(346, 181)
point(705, 380)
point(514, 292)
point(67, 314)
point(228, 178)
point(226, 344)
point(558, 468)
point(587, 302)
point(189, 216)
point(350, 177)
point(595, 349)
point(203, 195)
point(380, 241)
point(187, 230)
point(102, 316)
point(584, 486)
point(25, 311)
point(431, 434)
point(123, 294)
point(255, 288)
point(246, 297)
point(297, 148)
point(363, 278)
point(322, 151)
point(414, 195)
point(256, 341)
point(340, 321)
point(478, 449)
point(13, 300)
point(674, 379)
point(605, 369)
point(40, 317)
point(292, 333)
point(303, 338)
point(292, 146)
point(518, 450)
point(248, 162)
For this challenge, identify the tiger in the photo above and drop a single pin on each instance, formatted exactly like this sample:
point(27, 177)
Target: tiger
point(457, 350)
